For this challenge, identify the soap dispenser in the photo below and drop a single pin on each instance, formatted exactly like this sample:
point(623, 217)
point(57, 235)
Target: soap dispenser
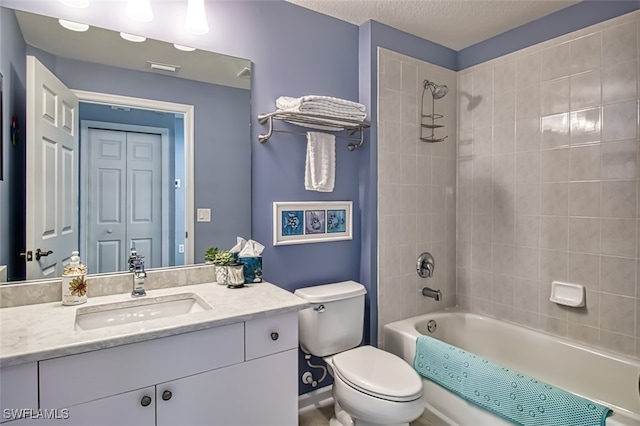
point(74, 281)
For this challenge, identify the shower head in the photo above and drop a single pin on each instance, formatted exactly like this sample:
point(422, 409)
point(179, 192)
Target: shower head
point(437, 91)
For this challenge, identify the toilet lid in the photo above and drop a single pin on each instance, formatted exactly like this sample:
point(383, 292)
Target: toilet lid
point(378, 373)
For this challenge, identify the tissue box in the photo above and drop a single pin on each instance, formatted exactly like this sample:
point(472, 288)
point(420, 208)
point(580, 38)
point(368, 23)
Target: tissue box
point(252, 269)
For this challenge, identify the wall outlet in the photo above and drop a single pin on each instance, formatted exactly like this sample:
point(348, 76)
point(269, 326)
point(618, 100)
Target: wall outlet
point(204, 215)
point(180, 248)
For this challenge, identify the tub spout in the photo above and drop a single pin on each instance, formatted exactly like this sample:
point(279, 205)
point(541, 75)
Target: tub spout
point(434, 294)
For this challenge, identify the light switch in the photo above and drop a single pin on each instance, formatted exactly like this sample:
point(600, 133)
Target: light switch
point(204, 215)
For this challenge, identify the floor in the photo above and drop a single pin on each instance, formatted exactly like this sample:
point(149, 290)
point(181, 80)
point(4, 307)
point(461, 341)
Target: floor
point(321, 416)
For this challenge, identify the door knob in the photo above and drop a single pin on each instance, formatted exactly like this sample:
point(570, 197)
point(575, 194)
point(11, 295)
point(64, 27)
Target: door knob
point(166, 395)
point(146, 400)
point(109, 231)
point(40, 253)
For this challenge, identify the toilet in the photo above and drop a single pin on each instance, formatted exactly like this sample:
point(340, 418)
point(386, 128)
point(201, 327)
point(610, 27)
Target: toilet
point(371, 386)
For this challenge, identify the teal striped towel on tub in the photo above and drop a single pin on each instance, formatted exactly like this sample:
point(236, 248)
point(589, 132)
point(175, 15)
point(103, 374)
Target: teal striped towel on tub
point(513, 396)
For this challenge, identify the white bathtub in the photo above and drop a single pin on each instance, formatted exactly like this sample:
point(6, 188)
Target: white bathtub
point(606, 378)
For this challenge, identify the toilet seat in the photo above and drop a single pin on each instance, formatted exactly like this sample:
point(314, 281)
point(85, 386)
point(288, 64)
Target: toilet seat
point(378, 373)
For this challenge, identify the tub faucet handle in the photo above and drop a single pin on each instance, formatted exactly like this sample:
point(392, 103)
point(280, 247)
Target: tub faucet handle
point(425, 265)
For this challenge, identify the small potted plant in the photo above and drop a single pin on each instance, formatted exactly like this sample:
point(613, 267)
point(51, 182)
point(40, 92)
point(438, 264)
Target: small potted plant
point(210, 254)
point(228, 271)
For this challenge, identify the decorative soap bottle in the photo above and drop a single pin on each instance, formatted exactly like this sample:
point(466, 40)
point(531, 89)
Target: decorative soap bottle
point(74, 281)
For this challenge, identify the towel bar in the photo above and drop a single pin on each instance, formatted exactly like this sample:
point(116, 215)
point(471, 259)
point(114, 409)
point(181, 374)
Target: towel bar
point(331, 124)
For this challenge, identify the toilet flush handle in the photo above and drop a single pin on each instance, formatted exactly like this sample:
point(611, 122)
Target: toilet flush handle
point(319, 308)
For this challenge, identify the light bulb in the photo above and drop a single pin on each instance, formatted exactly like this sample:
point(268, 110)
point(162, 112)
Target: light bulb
point(196, 22)
point(73, 26)
point(183, 47)
point(139, 10)
point(132, 37)
point(80, 4)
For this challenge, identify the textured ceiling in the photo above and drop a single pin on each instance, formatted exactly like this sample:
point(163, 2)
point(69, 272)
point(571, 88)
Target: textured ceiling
point(452, 23)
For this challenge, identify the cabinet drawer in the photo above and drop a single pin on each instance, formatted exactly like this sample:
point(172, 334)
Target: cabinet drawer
point(85, 377)
point(269, 335)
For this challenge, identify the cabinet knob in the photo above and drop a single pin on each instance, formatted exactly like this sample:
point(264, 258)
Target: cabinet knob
point(274, 336)
point(146, 400)
point(166, 395)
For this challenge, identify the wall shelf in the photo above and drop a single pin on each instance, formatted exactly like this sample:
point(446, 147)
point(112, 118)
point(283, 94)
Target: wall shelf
point(313, 121)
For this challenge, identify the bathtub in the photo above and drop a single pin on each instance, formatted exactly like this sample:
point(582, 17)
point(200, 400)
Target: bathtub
point(612, 380)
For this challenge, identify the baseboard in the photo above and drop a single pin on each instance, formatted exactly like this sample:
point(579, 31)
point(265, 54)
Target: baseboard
point(314, 399)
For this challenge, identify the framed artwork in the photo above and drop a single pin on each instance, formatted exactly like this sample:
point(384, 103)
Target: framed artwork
point(311, 222)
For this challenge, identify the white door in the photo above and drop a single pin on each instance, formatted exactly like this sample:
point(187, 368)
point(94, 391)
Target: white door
point(52, 172)
point(106, 201)
point(124, 198)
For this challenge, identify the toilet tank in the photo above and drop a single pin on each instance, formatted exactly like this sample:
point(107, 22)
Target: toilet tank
point(335, 321)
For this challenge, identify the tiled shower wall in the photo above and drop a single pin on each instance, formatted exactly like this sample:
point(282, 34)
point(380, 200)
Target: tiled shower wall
point(548, 185)
point(416, 189)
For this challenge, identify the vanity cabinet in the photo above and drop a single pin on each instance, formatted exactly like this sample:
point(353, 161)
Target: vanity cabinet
point(238, 374)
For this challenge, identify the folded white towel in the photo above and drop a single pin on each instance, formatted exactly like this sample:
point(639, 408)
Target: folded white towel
point(328, 124)
point(323, 105)
point(286, 102)
point(327, 111)
point(320, 167)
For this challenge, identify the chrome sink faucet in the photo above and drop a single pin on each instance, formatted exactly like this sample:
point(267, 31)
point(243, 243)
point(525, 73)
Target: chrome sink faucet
point(136, 265)
point(425, 266)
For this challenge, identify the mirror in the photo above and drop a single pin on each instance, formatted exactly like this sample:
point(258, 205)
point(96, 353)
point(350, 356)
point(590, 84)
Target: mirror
point(116, 80)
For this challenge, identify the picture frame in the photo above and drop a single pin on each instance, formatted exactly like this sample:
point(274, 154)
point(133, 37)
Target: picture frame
point(305, 222)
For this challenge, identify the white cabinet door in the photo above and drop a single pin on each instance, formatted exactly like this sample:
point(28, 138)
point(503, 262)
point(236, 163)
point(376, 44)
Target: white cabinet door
point(130, 408)
point(18, 390)
point(261, 392)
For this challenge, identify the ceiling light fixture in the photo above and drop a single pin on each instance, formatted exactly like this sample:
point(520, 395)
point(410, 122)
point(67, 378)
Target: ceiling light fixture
point(196, 22)
point(139, 10)
point(183, 47)
point(73, 26)
point(80, 4)
point(132, 37)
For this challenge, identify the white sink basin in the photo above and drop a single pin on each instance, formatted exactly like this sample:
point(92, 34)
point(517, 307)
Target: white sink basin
point(137, 310)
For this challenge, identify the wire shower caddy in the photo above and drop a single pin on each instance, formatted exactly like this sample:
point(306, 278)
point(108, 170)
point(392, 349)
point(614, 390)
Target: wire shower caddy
point(429, 121)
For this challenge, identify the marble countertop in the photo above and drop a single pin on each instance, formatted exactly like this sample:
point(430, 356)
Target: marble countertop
point(36, 332)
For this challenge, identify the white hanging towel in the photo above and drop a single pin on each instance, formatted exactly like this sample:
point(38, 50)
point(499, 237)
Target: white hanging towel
point(320, 167)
